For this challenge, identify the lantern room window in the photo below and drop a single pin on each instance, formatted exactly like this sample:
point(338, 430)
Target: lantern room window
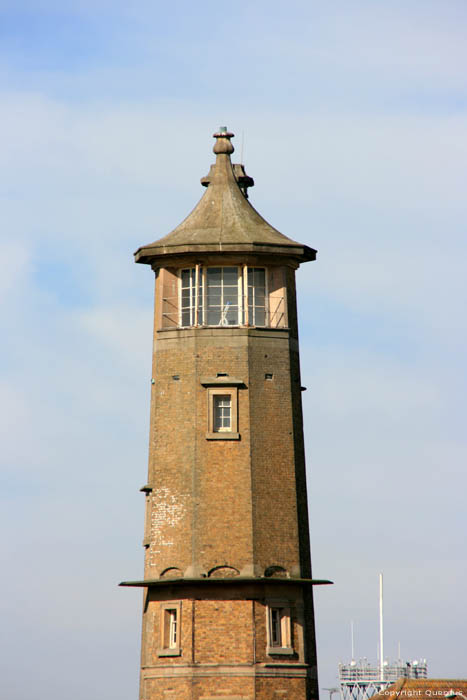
point(257, 296)
point(191, 301)
point(223, 296)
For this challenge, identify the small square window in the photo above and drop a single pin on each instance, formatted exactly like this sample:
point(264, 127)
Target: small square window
point(279, 629)
point(170, 630)
point(222, 414)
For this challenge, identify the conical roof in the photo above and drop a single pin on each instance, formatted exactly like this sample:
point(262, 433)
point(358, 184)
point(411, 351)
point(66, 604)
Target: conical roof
point(223, 220)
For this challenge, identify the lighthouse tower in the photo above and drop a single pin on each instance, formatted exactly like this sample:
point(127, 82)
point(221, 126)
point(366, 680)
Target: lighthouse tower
point(228, 604)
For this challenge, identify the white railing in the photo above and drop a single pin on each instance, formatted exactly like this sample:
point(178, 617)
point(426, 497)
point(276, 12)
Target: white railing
point(366, 673)
point(361, 680)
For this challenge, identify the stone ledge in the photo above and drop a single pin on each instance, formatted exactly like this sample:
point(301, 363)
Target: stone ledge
point(222, 436)
point(232, 580)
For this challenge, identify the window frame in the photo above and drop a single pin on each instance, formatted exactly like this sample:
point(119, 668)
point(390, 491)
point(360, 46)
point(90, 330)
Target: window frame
point(232, 433)
point(222, 286)
point(197, 308)
point(196, 296)
point(255, 308)
point(222, 413)
point(167, 647)
point(283, 609)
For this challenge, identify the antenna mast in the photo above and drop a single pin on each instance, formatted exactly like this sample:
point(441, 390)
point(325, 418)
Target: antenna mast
point(381, 653)
point(361, 680)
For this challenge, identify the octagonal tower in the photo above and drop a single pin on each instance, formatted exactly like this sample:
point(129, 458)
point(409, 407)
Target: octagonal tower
point(228, 605)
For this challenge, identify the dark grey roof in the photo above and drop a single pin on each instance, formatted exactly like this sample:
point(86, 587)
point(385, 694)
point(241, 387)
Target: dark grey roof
point(223, 220)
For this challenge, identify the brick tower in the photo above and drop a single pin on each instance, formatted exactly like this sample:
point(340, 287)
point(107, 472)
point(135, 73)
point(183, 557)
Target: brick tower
point(228, 604)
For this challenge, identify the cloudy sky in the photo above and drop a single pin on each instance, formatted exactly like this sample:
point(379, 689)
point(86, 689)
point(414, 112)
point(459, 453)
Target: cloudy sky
point(353, 121)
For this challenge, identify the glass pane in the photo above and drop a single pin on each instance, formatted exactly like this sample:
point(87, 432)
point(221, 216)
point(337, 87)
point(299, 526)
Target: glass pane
point(260, 317)
point(186, 317)
point(222, 296)
point(257, 296)
point(229, 298)
point(230, 315)
point(214, 300)
point(186, 278)
point(260, 277)
point(230, 276)
point(222, 413)
point(213, 275)
point(275, 627)
point(172, 629)
point(214, 317)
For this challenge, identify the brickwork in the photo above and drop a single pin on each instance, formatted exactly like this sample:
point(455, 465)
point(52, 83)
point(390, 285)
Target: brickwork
point(222, 508)
point(272, 457)
point(223, 643)
point(221, 472)
point(229, 688)
point(223, 632)
point(283, 689)
point(154, 634)
point(198, 483)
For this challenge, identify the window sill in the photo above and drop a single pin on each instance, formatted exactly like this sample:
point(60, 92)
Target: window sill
point(279, 651)
point(169, 652)
point(222, 436)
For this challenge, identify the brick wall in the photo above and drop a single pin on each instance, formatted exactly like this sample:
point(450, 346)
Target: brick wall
point(223, 508)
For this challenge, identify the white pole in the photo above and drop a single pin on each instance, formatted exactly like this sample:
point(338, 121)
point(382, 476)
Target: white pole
point(351, 638)
point(381, 653)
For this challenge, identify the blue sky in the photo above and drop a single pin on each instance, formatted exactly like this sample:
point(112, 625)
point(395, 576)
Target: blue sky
point(353, 122)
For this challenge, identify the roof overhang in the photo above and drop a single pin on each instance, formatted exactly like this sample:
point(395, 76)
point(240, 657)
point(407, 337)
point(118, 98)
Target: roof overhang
point(157, 255)
point(234, 580)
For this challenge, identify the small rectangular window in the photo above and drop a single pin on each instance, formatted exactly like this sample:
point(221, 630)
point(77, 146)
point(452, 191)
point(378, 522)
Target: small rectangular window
point(170, 629)
point(279, 630)
point(222, 414)
point(276, 632)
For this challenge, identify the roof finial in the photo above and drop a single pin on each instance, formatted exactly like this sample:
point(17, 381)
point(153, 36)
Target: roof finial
point(223, 144)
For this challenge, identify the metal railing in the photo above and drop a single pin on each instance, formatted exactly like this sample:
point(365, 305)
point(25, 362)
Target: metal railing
point(362, 672)
point(361, 680)
point(273, 315)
